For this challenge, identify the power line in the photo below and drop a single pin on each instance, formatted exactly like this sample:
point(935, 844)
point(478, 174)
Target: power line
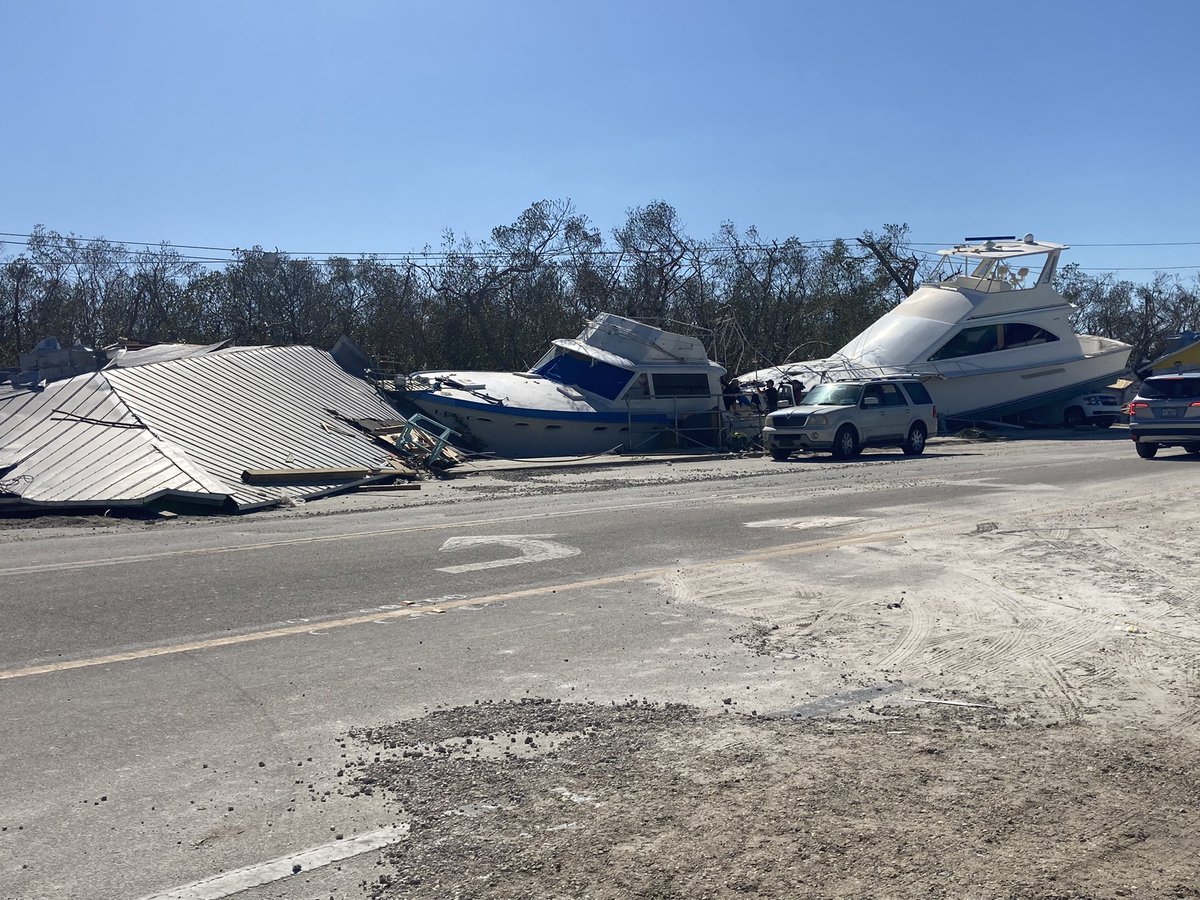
point(60, 242)
point(434, 253)
point(1146, 244)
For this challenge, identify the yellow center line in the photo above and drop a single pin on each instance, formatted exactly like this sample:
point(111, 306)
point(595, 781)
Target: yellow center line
point(250, 637)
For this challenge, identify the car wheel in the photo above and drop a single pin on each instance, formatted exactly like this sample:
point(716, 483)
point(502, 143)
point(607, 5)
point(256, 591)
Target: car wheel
point(845, 443)
point(1073, 417)
point(1146, 451)
point(780, 455)
point(914, 444)
point(1191, 448)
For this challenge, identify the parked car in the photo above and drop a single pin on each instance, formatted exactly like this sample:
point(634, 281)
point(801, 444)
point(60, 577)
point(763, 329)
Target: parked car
point(1099, 409)
point(843, 417)
point(1166, 413)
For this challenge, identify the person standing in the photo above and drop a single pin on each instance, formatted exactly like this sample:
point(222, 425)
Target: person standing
point(771, 396)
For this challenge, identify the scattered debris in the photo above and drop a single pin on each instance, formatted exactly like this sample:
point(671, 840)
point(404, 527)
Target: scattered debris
point(978, 434)
point(950, 703)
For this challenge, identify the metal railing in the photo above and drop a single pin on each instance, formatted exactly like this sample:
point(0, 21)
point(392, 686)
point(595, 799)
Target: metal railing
point(708, 429)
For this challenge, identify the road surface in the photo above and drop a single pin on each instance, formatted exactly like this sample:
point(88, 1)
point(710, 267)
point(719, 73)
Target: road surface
point(178, 694)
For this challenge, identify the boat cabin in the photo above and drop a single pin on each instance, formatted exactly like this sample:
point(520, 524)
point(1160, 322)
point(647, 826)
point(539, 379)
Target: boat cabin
point(616, 378)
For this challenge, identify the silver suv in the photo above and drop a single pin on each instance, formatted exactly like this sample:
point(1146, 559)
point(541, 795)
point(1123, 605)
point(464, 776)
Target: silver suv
point(843, 417)
point(1166, 413)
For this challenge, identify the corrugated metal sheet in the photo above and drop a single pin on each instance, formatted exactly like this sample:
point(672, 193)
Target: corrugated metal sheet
point(77, 443)
point(126, 359)
point(187, 427)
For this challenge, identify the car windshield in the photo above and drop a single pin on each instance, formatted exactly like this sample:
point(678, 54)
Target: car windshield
point(1170, 389)
point(833, 394)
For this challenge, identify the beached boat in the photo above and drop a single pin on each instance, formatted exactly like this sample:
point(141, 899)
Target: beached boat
point(994, 338)
point(620, 385)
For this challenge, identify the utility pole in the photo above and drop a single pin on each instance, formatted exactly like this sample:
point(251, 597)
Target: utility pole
point(904, 280)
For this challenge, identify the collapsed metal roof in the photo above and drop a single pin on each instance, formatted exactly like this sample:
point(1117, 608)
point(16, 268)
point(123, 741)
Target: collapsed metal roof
point(187, 429)
point(122, 358)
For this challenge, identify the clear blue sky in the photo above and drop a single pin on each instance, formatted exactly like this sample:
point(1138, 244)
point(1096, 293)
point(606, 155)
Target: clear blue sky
point(364, 125)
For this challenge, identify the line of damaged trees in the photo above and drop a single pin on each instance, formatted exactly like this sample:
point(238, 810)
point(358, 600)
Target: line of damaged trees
point(495, 304)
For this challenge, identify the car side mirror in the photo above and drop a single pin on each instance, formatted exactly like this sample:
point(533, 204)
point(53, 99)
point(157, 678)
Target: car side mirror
point(869, 402)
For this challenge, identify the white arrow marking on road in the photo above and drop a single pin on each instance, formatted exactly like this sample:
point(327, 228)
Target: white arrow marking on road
point(533, 547)
point(827, 522)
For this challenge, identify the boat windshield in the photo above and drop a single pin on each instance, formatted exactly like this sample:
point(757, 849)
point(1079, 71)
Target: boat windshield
point(833, 394)
point(1013, 274)
point(586, 374)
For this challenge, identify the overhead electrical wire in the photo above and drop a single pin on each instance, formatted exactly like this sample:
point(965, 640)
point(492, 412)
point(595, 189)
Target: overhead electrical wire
point(70, 242)
point(62, 240)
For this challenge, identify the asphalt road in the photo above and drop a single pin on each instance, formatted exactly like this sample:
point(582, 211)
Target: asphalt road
point(176, 695)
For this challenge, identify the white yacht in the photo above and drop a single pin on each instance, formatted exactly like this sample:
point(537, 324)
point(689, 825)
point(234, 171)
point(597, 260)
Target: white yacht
point(620, 385)
point(993, 338)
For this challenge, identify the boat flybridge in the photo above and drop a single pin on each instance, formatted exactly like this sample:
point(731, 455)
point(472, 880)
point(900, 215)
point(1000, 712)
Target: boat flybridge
point(993, 338)
point(619, 385)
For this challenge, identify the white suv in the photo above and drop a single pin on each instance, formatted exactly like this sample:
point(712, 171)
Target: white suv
point(843, 417)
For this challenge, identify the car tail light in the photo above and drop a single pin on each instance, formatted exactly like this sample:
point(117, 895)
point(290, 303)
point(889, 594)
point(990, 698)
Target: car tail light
point(1194, 403)
point(1134, 407)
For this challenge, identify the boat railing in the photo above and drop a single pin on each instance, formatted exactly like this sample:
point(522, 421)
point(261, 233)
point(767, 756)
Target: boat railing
point(696, 423)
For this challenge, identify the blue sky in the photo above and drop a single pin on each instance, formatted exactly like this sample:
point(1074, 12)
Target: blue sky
point(374, 126)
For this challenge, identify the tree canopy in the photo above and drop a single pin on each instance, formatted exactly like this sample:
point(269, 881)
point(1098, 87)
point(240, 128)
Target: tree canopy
point(495, 303)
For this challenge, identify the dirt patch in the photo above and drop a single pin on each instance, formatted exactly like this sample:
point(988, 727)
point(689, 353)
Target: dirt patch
point(1064, 767)
point(548, 799)
point(123, 520)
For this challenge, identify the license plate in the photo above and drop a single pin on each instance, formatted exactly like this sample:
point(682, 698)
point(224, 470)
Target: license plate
point(1169, 413)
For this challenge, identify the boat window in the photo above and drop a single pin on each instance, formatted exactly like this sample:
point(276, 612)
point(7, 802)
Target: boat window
point(968, 342)
point(674, 385)
point(983, 269)
point(577, 370)
point(833, 394)
point(1017, 334)
point(989, 338)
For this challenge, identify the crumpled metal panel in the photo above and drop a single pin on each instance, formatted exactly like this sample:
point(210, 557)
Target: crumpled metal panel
point(77, 443)
point(188, 427)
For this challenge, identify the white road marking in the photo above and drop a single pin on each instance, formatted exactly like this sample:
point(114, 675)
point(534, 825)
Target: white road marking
point(1036, 487)
point(812, 522)
point(331, 538)
point(249, 637)
point(533, 547)
point(228, 883)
